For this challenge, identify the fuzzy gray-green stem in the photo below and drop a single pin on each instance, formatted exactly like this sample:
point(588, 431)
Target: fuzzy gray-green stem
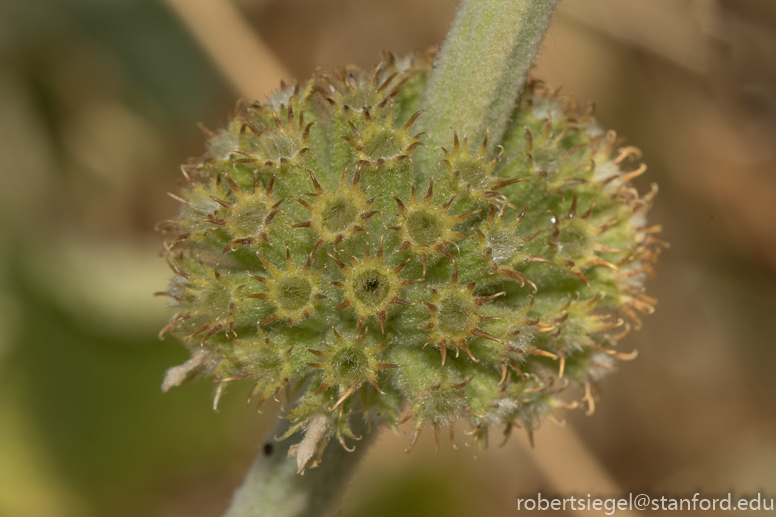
point(273, 488)
point(482, 66)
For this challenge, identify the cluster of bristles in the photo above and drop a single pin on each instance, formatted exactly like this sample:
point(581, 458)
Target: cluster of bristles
point(315, 255)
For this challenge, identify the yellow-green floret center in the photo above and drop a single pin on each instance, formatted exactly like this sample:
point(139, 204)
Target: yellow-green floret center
point(382, 145)
point(424, 228)
point(371, 287)
point(247, 219)
point(338, 214)
point(351, 364)
point(473, 173)
point(293, 292)
point(455, 311)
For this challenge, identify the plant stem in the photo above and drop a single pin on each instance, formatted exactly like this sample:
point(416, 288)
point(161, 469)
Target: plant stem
point(482, 67)
point(273, 488)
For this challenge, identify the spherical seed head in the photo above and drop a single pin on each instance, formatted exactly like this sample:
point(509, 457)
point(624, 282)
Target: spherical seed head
point(314, 251)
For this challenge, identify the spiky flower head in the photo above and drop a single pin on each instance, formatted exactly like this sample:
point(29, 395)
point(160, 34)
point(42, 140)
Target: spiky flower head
point(315, 254)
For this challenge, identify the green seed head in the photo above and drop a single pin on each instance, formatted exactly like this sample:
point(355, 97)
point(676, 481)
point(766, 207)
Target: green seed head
point(314, 250)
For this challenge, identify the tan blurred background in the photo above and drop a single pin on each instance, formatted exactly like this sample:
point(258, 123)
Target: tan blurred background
point(99, 101)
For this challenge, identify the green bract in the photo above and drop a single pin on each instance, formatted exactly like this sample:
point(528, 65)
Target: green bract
point(314, 252)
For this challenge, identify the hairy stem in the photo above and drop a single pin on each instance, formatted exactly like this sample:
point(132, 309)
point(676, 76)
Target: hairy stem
point(482, 67)
point(273, 487)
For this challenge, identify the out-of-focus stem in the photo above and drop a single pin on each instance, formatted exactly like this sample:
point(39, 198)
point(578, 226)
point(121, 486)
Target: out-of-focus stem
point(569, 466)
point(244, 59)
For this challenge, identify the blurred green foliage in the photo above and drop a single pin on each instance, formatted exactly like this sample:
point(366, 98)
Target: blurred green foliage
point(95, 402)
point(85, 430)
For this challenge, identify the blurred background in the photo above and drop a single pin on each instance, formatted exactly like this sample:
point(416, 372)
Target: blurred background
point(99, 104)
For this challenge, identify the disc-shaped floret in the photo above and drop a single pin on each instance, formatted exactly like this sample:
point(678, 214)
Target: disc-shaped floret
point(474, 172)
point(549, 140)
point(520, 403)
point(210, 301)
point(266, 141)
point(293, 291)
point(498, 401)
point(221, 211)
point(270, 363)
point(426, 229)
point(338, 214)
point(433, 395)
point(579, 324)
point(370, 286)
point(200, 215)
point(576, 241)
point(378, 144)
point(347, 364)
point(454, 318)
point(505, 243)
point(247, 215)
point(353, 89)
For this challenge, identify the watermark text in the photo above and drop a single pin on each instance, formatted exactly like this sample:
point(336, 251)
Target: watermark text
point(632, 502)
